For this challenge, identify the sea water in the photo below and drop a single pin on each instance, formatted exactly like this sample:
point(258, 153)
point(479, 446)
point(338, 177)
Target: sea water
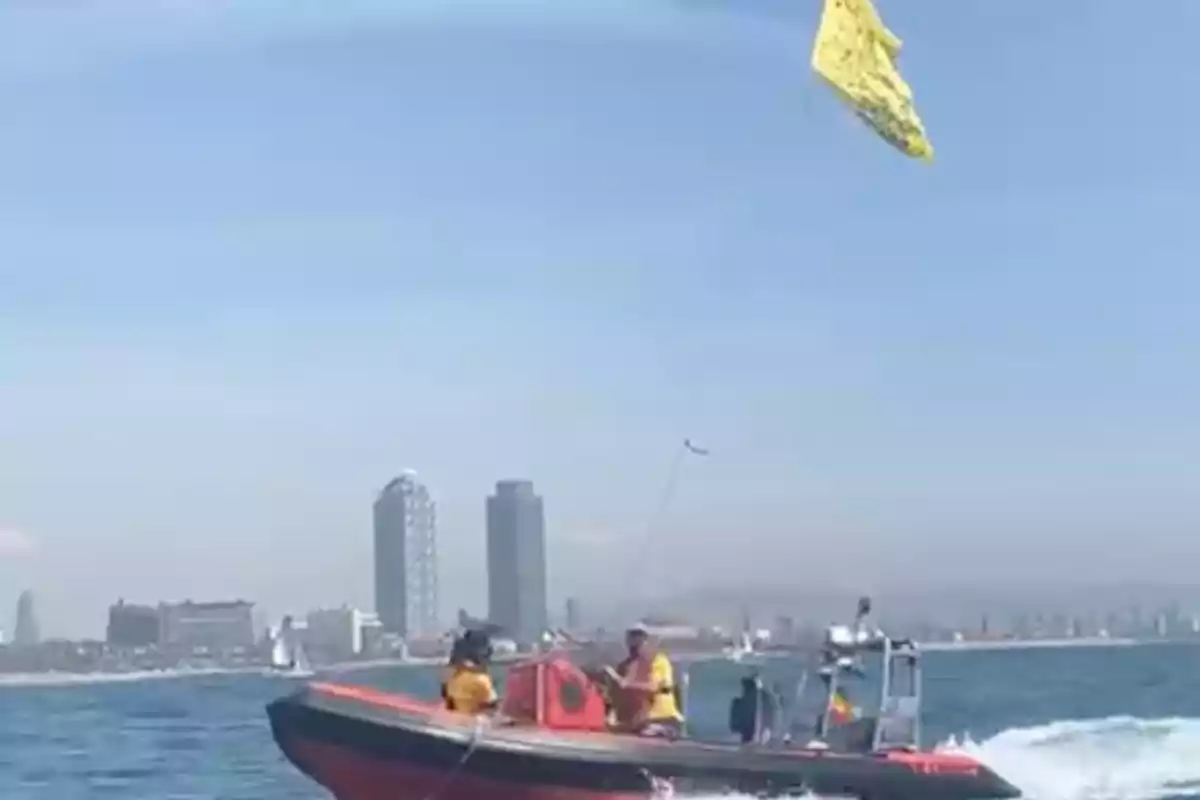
point(1069, 724)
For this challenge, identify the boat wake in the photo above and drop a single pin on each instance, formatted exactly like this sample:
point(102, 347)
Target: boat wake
point(1119, 758)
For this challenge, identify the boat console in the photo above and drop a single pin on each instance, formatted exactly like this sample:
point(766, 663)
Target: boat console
point(893, 719)
point(896, 720)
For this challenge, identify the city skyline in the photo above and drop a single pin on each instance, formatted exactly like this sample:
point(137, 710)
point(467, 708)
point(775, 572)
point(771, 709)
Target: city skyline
point(253, 262)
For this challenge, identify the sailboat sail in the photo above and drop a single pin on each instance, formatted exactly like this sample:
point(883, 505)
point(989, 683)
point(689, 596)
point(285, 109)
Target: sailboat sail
point(280, 657)
point(300, 661)
point(288, 656)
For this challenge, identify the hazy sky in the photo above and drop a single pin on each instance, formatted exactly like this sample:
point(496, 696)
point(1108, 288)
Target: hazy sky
point(254, 261)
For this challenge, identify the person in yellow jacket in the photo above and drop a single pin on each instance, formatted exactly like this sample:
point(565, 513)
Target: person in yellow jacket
point(467, 686)
point(649, 700)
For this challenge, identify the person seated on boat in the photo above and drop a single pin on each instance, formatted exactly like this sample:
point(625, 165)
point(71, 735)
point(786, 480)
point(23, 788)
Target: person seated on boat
point(467, 687)
point(647, 700)
point(752, 714)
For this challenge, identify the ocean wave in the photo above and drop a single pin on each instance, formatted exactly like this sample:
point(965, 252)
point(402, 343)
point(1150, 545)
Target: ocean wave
point(1116, 758)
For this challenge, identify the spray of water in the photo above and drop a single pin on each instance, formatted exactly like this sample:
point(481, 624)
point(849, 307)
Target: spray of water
point(1119, 758)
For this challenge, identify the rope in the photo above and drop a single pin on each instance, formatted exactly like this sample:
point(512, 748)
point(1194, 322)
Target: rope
point(660, 788)
point(660, 509)
point(481, 726)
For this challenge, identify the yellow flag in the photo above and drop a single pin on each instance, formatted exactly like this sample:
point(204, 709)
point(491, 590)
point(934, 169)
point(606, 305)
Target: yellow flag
point(856, 54)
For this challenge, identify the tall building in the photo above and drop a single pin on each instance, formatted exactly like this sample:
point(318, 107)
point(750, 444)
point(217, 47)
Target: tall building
point(336, 634)
point(516, 553)
point(574, 617)
point(406, 586)
point(131, 625)
point(220, 625)
point(26, 631)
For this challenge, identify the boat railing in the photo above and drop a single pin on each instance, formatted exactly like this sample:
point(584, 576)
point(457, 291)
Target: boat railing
point(895, 720)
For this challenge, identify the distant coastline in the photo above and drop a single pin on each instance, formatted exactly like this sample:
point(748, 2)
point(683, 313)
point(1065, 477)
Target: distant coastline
point(1034, 644)
point(13, 680)
point(49, 678)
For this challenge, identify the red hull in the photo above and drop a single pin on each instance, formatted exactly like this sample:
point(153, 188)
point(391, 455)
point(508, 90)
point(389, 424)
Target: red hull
point(352, 776)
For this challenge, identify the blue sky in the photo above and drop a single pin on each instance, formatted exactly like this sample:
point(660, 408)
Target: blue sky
point(253, 262)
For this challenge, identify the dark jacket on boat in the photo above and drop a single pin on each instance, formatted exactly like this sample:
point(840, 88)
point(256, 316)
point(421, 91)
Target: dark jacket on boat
point(752, 714)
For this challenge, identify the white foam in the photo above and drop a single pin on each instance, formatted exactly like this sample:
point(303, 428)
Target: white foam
point(1118, 758)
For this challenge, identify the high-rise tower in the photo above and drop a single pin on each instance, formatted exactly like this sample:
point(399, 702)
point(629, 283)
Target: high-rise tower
point(406, 587)
point(26, 631)
point(516, 553)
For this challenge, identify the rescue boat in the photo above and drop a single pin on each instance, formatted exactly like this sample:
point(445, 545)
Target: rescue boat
point(551, 742)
